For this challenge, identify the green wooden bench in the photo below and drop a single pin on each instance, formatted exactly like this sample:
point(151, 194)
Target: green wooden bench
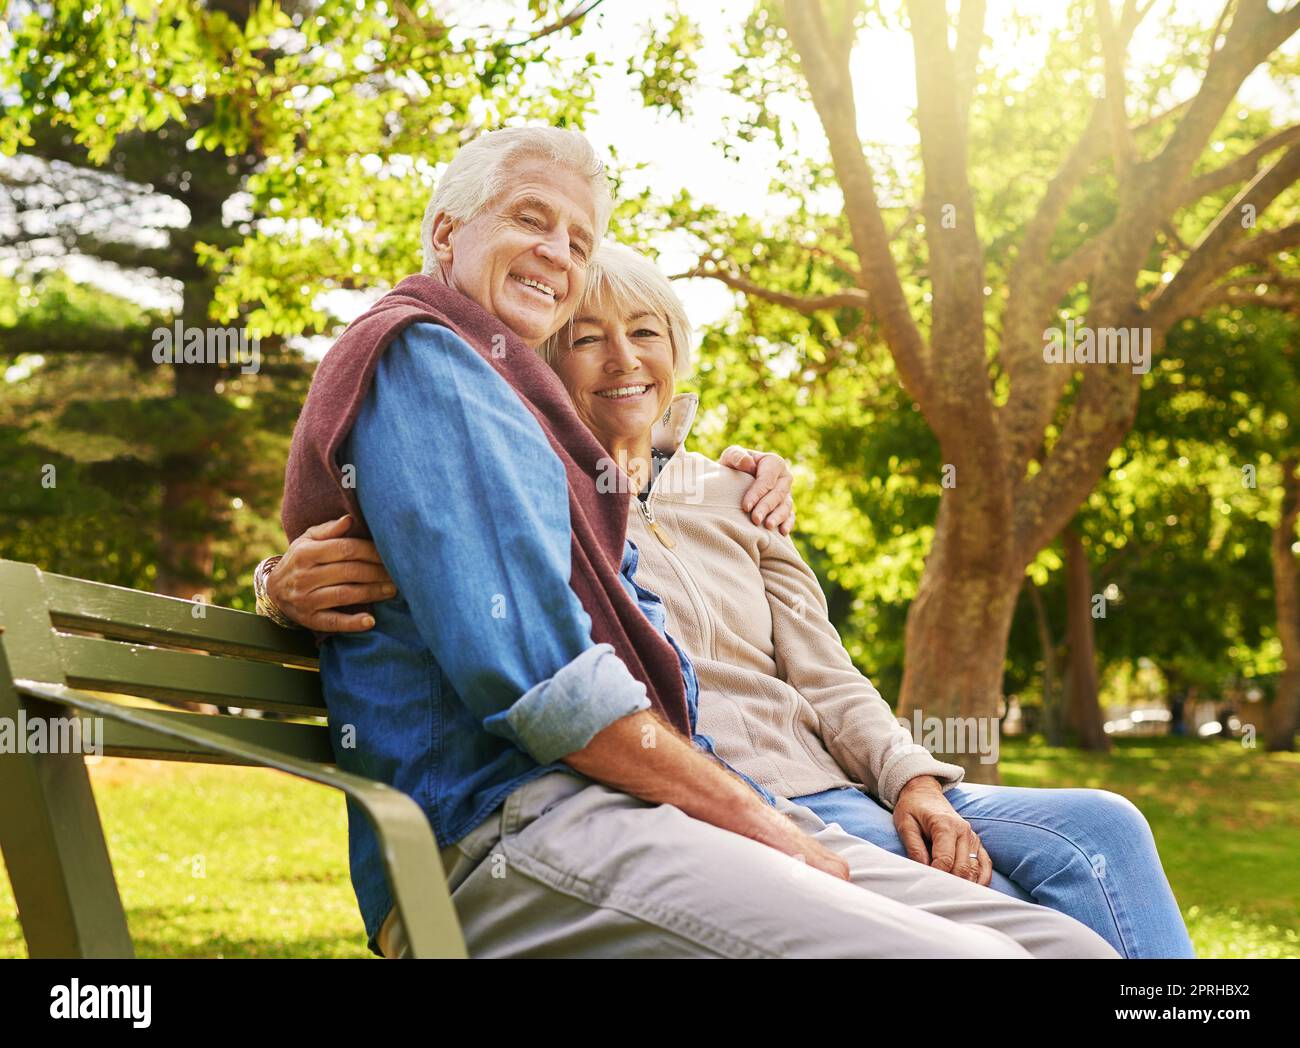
point(58, 635)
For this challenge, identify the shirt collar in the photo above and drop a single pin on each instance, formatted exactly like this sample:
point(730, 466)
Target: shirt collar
point(669, 433)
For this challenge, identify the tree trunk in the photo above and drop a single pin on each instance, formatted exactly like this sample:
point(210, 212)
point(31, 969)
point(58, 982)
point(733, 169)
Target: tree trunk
point(957, 630)
point(184, 551)
point(1085, 706)
point(190, 505)
point(1177, 695)
point(1285, 708)
point(1053, 729)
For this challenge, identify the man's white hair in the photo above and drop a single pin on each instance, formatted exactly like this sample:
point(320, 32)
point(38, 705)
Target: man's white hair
point(622, 279)
point(481, 170)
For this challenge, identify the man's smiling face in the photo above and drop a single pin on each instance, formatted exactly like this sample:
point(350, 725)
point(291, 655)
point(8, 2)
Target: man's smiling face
point(524, 257)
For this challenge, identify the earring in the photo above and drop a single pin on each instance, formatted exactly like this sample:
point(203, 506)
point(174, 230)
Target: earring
point(667, 413)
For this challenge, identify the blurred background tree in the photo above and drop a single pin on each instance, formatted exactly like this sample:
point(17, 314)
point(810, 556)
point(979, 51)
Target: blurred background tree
point(256, 155)
point(1154, 198)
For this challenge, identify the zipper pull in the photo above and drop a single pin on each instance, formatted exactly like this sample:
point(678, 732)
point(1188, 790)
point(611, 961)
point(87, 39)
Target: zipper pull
point(660, 533)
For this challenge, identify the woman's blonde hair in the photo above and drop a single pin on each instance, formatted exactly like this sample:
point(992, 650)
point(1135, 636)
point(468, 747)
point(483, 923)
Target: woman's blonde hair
point(622, 279)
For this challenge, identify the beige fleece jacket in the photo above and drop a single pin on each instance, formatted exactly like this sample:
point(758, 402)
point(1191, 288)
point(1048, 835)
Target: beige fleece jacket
point(779, 695)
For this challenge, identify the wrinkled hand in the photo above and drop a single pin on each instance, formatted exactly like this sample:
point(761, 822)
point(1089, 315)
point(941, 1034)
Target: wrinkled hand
point(768, 500)
point(322, 571)
point(924, 815)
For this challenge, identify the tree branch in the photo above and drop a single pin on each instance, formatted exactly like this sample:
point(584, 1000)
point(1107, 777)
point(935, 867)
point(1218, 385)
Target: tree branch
point(839, 261)
point(1264, 245)
point(1106, 402)
point(1035, 389)
point(1229, 296)
point(1113, 48)
point(1239, 169)
point(906, 221)
point(1075, 267)
point(1217, 250)
point(848, 298)
point(578, 13)
point(956, 256)
point(1218, 26)
point(970, 39)
point(832, 94)
point(1103, 411)
point(1255, 32)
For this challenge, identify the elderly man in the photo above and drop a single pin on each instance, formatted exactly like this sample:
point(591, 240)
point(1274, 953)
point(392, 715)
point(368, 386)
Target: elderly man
point(519, 684)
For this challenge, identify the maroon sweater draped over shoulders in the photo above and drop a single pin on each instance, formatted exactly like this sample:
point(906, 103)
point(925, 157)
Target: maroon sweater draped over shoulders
point(314, 491)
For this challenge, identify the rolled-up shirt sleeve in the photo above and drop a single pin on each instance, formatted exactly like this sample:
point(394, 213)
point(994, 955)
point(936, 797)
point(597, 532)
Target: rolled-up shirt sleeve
point(468, 506)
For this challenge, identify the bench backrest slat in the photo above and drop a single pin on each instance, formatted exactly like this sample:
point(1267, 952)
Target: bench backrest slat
point(150, 618)
point(307, 741)
point(171, 676)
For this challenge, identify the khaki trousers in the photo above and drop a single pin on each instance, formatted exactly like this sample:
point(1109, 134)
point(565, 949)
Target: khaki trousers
point(567, 867)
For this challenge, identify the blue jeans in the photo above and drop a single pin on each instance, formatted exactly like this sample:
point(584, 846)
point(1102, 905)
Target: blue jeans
point(1086, 853)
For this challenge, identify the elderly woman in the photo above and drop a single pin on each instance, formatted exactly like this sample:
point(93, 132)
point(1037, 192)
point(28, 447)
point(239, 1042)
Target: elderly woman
point(778, 693)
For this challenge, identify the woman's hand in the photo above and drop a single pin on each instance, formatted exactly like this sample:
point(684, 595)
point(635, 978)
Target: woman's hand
point(323, 571)
point(768, 500)
point(924, 814)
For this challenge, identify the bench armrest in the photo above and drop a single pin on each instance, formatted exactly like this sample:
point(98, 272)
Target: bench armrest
point(411, 856)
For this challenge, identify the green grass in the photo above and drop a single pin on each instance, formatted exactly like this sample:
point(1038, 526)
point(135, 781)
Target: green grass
point(273, 850)
point(1226, 820)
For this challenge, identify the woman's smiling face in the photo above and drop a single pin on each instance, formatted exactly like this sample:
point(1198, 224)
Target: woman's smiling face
point(617, 365)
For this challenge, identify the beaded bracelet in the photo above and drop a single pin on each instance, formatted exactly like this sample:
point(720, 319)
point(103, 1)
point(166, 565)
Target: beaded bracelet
point(265, 605)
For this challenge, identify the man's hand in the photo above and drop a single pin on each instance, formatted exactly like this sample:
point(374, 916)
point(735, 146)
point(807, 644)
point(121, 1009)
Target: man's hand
point(781, 833)
point(322, 571)
point(768, 501)
point(923, 814)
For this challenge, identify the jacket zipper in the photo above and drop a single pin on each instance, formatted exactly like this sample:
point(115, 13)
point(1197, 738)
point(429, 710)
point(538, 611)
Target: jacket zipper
point(666, 540)
point(658, 532)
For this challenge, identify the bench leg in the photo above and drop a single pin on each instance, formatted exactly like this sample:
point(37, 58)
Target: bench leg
point(54, 850)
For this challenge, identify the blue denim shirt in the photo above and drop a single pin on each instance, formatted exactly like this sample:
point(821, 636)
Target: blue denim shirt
point(481, 674)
